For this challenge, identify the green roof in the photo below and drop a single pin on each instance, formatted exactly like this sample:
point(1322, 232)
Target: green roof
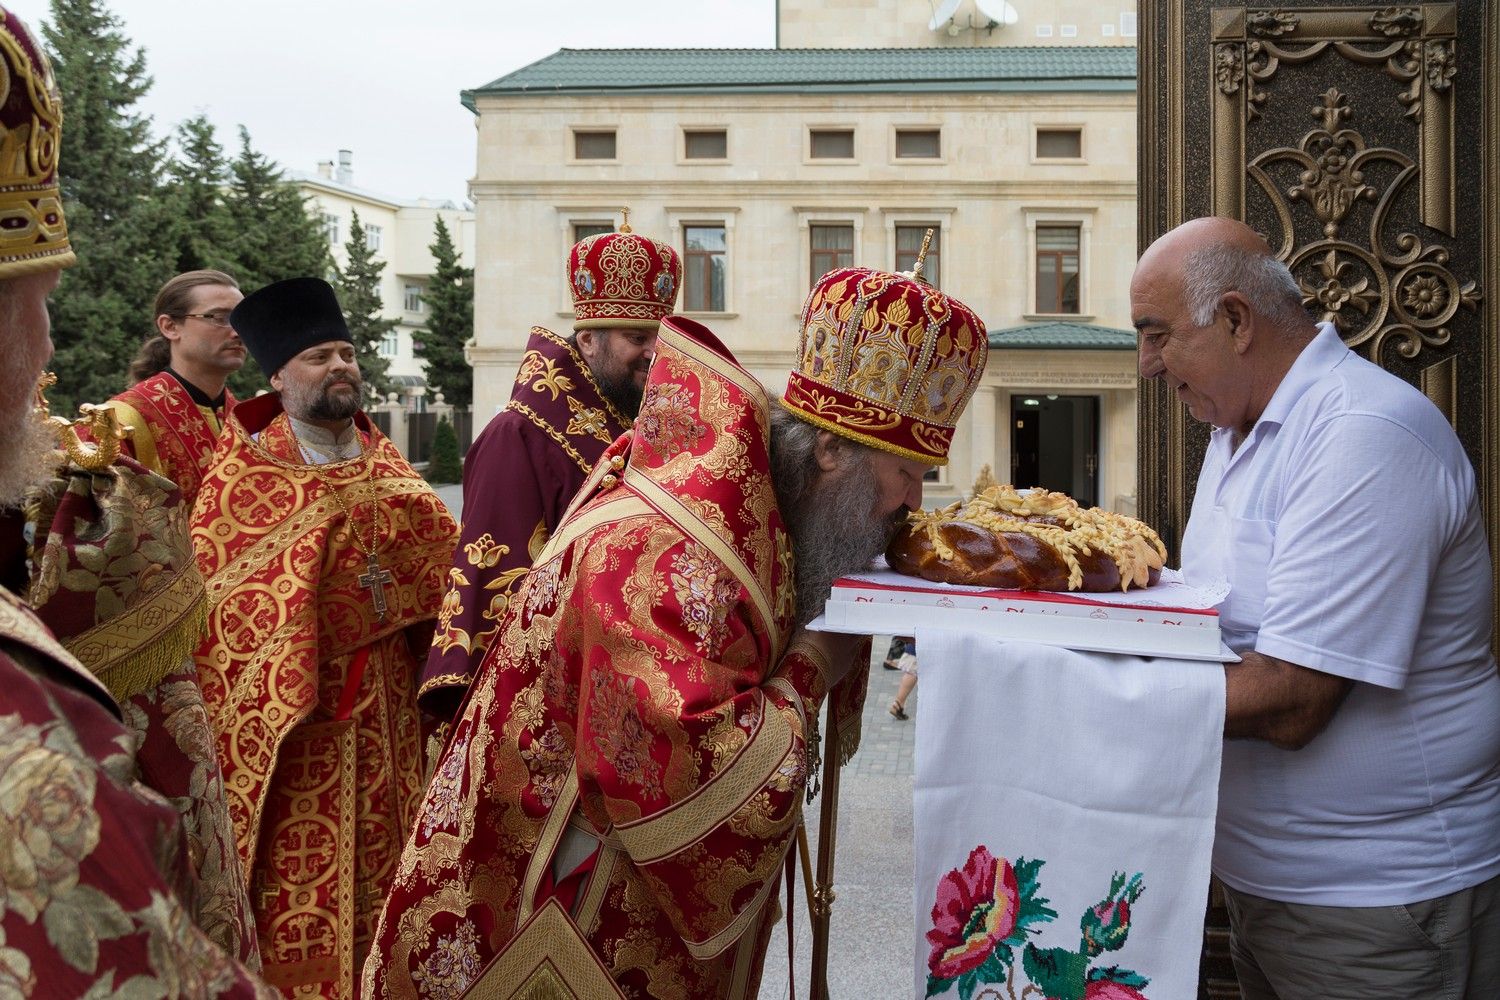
point(1016, 68)
point(1060, 336)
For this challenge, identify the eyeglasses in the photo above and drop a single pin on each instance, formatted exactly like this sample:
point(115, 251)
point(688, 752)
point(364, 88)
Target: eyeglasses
point(216, 318)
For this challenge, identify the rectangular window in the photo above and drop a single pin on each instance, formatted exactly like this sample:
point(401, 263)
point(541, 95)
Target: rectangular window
point(331, 228)
point(373, 235)
point(1059, 143)
point(1057, 269)
point(909, 244)
point(704, 263)
point(596, 144)
point(918, 143)
point(413, 298)
point(705, 144)
point(1127, 23)
point(829, 247)
point(390, 344)
point(583, 230)
point(831, 144)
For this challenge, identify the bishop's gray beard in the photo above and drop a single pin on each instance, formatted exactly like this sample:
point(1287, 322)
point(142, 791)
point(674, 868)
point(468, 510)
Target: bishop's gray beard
point(27, 459)
point(835, 532)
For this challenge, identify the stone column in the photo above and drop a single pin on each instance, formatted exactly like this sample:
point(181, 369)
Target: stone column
point(396, 410)
point(983, 451)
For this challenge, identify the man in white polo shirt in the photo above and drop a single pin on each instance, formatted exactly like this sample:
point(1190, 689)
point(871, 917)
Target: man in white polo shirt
point(1359, 805)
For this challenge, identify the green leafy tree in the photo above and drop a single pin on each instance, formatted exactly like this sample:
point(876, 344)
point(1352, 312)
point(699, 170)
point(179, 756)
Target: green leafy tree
point(276, 234)
point(122, 229)
point(450, 322)
point(445, 466)
point(273, 235)
point(358, 284)
point(197, 180)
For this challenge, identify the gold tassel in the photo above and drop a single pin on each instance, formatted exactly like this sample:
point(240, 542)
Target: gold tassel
point(146, 667)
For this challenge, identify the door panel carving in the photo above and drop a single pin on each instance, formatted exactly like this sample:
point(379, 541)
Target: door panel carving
point(1363, 141)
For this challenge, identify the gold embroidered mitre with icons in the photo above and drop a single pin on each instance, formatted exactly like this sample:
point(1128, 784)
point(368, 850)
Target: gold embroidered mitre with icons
point(887, 360)
point(622, 279)
point(33, 233)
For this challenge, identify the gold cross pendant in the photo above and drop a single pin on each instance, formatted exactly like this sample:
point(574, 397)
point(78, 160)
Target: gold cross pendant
point(374, 580)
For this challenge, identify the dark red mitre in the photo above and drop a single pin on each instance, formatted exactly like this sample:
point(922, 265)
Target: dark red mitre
point(33, 233)
point(622, 279)
point(887, 360)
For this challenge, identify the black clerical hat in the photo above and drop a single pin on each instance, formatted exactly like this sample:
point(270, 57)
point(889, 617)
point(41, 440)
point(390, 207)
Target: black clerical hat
point(283, 319)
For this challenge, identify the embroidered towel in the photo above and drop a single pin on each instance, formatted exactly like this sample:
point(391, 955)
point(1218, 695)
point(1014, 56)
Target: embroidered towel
point(1064, 807)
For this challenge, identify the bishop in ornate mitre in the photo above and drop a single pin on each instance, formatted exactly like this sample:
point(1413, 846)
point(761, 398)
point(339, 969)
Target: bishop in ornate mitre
point(323, 553)
point(615, 805)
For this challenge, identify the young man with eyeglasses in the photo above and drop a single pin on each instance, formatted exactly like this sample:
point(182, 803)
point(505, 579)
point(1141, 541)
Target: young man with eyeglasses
point(176, 408)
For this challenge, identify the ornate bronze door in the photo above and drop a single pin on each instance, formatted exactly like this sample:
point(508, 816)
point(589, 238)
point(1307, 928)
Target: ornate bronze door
point(1363, 141)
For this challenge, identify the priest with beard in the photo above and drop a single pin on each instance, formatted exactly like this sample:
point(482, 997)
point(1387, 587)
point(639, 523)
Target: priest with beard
point(323, 553)
point(615, 805)
point(572, 397)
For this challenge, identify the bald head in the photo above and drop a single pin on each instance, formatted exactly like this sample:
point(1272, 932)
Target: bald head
point(1198, 234)
point(1220, 319)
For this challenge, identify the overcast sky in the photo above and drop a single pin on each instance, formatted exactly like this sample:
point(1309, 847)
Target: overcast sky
point(381, 77)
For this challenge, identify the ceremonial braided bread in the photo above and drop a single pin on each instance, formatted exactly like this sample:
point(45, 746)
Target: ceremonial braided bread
point(1027, 540)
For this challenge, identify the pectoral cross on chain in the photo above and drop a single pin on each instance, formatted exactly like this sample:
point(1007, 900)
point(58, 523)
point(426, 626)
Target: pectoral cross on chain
point(374, 580)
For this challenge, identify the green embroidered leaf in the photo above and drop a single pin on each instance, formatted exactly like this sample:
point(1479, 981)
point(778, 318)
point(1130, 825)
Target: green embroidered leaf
point(936, 985)
point(1032, 908)
point(1115, 974)
point(80, 581)
point(1058, 972)
point(995, 967)
point(68, 931)
point(90, 557)
point(967, 984)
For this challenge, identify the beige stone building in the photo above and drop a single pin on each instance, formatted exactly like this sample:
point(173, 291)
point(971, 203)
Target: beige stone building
point(766, 167)
point(400, 232)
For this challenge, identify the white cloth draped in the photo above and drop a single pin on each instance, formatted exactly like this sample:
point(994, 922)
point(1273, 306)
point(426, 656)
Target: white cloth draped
point(1096, 765)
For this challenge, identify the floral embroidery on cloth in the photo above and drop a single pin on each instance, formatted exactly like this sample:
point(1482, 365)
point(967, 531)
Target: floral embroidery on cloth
point(453, 966)
point(706, 590)
point(668, 420)
point(986, 909)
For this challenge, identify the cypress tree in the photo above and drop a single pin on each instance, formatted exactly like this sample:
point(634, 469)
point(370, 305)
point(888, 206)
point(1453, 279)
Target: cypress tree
point(122, 229)
point(445, 466)
point(198, 175)
point(273, 234)
point(358, 285)
point(450, 322)
point(276, 234)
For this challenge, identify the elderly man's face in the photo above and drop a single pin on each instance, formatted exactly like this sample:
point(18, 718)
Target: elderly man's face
point(321, 384)
point(1200, 364)
point(857, 500)
point(25, 348)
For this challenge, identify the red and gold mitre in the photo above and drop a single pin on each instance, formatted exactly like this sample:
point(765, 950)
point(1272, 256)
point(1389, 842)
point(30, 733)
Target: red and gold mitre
point(622, 279)
point(33, 234)
point(887, 360)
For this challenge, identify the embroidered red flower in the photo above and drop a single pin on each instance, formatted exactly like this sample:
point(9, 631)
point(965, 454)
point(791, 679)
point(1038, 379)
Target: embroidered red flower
point(1108, 989)
point(976, 908)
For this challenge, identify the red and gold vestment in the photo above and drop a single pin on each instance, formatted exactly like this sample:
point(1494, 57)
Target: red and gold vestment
point(640, 690)
point(519, 476)
point(113, 577)
point(170, 432)
point(311, 691)
point(96, 886)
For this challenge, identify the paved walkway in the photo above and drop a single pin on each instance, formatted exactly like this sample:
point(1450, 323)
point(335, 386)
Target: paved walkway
point(870, 952)
point(870, 948)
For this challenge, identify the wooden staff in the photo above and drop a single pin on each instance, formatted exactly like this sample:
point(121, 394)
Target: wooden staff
point(828, 824)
